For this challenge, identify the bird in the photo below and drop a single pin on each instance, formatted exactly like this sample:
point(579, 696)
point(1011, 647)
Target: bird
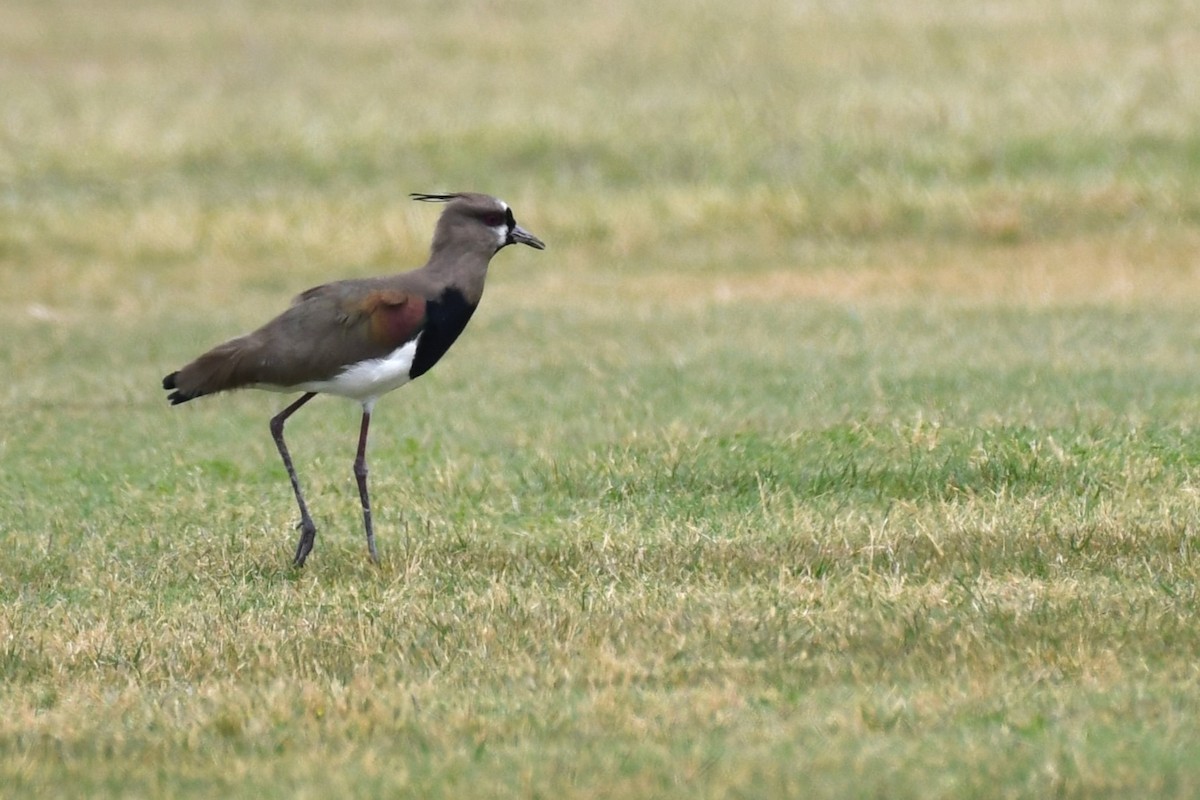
point(363, 337)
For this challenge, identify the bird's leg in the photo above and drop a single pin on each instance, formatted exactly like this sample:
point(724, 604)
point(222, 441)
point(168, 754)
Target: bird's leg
point(360, 473)
point(308, 531)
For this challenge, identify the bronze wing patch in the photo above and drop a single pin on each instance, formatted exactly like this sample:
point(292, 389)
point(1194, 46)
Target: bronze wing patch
point(395, 316)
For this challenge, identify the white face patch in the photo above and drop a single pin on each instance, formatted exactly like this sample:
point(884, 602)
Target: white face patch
point(367, 380)
point(501, 231)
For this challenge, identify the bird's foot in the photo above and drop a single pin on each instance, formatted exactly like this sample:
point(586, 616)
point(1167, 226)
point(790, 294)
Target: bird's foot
point(308, 534)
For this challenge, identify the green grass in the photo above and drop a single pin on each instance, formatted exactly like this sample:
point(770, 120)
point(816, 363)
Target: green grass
point(843, 442)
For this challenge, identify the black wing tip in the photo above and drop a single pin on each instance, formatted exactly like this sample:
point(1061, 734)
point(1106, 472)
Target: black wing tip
point(426, 197)
point(177, 396)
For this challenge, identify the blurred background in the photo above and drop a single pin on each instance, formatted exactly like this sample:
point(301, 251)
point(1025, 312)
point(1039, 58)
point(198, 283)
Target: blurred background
point(156, 153)
point(764, 197)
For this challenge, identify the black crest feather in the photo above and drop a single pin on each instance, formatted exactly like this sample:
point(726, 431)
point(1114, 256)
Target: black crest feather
point(432, 198)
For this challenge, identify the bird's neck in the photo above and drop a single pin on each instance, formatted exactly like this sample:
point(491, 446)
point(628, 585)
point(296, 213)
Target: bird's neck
point(464, 268)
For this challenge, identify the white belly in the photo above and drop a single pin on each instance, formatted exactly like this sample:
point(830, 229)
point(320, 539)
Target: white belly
point(367, 380)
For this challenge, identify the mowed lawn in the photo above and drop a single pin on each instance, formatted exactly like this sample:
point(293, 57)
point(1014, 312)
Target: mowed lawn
point(843, 442)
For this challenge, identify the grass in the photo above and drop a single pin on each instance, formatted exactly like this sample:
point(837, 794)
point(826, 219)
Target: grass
point(842, 444)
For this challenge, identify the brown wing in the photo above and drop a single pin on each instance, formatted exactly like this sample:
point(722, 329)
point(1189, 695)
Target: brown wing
point(316, 291)
point(327, 328)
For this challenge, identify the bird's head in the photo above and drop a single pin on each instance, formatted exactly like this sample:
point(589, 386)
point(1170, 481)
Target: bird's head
point(477, 221)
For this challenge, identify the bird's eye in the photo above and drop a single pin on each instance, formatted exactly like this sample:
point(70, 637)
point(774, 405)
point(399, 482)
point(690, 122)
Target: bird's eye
point(493, 219)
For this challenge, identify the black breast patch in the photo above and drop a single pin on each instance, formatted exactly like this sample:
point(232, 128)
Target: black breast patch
point(445, 319)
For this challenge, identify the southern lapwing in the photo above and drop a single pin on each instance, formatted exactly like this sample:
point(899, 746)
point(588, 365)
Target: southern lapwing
point(363, 338)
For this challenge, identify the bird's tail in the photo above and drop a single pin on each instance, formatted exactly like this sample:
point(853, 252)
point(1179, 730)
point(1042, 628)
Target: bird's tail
point(218, 370)
point(176, 397)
